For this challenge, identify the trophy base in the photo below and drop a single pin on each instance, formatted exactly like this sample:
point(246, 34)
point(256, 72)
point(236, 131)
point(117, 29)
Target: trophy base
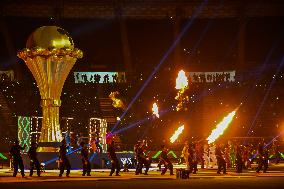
point(48, 146)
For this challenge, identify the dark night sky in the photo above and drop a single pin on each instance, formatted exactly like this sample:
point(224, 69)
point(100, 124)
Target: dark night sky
point(149, 39)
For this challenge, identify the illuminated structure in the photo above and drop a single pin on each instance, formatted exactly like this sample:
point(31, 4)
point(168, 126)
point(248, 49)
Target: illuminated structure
point(28, 130)
point(98, 129)
point(50, 55)
point(24, 129)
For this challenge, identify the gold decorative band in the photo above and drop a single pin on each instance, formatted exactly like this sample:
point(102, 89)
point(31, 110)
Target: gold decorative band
point(50, 102)
point(30, 53)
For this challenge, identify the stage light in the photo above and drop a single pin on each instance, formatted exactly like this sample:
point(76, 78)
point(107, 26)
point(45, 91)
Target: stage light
point(3, 157)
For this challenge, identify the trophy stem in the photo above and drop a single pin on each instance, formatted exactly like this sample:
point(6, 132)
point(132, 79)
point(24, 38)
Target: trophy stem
point(50, 131)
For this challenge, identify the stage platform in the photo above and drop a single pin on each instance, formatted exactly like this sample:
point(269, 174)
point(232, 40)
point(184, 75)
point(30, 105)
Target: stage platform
point(97, 160)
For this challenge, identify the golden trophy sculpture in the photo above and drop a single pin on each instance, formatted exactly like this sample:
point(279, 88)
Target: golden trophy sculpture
point(50, 55)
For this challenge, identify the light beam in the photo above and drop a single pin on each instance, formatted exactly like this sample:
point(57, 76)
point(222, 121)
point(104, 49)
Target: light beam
point(168, 52)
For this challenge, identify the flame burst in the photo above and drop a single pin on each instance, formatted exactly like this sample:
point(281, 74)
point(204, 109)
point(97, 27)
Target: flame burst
point(220, 128)
point(176, 134)
point(155, 110)
point(181, 81)
point(116, 102)
point(182, 86)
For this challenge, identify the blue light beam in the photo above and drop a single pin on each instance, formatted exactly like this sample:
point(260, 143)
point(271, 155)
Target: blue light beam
point(142, 121)
point(161, 62)
point(56, 158)
point(93, 156)
point(266, 95)
point(262, 68)
point(209, 24)
point(254, 156)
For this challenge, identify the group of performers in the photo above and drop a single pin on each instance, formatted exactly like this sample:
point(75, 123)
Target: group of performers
point(224, 156)
point(64, 163)
point(231, 155)
point(143, 160)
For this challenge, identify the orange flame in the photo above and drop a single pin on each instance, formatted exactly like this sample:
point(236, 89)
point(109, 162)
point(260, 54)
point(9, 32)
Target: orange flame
point(176, 134)
point(221, 127)
point(181, 85)
point(181, 81)
point(155, 110)
point(116, 102)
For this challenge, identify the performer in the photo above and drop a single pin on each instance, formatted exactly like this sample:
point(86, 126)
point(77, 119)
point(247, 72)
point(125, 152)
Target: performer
point(33, 159)
point(63, 160)
point(206, 155)
point(136, 147)
point(276, 151)
point(193, 159)
point(239, 162)
point(245, 156)
point(114, 161)
point(99, 146)
point(93, 144)
point(143, 159)
point(212, 156)
point(185, 154)
point(250, 155)
point(220, 159)
point(80, 138)
point(68, 139)
point(85, 160)
point(227, 157)
point(232, 154)
point(147, 161)
point(263, 158)
point(199, 151)
point(161, 162)
point(15, 153)
point(109, 137)
point(167, 162)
